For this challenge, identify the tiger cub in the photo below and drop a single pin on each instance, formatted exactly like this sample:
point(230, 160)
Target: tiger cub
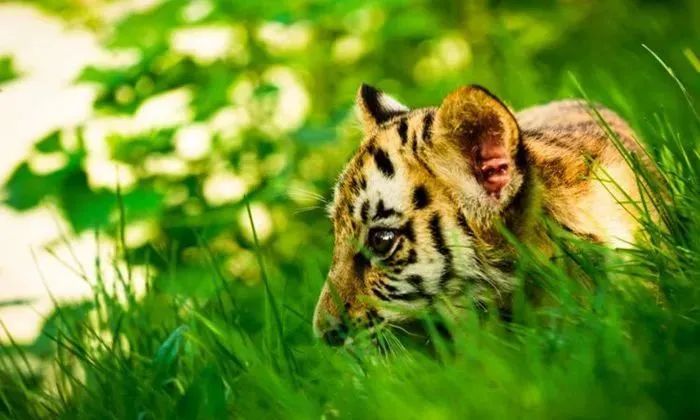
point(418, 211)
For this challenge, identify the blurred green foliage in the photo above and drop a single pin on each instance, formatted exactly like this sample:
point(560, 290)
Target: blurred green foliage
point(523, 51)
point(526, 52)
point(270, 115)
point(7, 71)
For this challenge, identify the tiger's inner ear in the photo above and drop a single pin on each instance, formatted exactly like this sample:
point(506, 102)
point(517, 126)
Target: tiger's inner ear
point(376, 107)
point(484, 132)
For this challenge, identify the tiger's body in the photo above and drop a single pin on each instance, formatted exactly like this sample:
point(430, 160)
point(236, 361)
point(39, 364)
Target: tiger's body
point(418, 209)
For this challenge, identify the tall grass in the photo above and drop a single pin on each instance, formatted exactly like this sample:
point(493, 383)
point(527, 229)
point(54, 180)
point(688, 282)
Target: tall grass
point(616, 335)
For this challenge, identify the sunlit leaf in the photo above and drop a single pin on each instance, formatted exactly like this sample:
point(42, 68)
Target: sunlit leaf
point(25, 189)
point(165, 357)
point(50, 143)
point(7, 71)
point(83, 208)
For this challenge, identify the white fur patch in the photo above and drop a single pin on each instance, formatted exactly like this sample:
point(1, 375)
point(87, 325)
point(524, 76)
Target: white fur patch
point(392, 191)
point(390, 104)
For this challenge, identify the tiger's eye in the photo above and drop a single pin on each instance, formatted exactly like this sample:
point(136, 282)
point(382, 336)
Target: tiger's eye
point(381, 240)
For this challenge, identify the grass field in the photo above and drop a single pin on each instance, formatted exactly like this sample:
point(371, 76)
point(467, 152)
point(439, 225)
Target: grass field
point(618, 334)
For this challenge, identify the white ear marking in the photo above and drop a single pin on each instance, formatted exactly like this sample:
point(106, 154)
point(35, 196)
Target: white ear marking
point(391, 105)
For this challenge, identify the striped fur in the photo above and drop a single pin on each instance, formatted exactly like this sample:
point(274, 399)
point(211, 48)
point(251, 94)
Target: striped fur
point(443, 178)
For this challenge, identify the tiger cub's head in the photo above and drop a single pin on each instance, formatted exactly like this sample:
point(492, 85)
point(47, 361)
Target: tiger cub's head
point(411, 207)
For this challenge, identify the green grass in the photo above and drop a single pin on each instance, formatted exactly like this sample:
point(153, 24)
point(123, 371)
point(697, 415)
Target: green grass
point(617, 333)
point(618, 339)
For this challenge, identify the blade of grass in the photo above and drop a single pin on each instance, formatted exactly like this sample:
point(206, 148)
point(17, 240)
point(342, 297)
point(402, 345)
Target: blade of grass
point(291, 366)
point(680, 84)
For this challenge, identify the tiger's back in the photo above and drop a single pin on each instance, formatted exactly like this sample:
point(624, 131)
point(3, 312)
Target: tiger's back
point(589, 187)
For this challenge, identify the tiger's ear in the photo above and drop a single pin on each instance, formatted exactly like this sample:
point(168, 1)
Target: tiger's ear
point(375, 107)
point(484, 132)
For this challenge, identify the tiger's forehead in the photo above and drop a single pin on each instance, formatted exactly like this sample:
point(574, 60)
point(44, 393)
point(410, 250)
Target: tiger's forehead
point(379, 177)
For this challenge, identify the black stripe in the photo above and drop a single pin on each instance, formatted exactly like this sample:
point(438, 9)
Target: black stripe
point(393, 293)
point(421, 199)
point(462, 222)
point(354, 186)
point(419, 284)
point(370, 146)
point(412, 257)
point(415, 281)
point(363, 183)
point(373, 317)
point(360, 264)
point(407, 231)
point(364, 211)
point(436, 233)
point(427, 127)
point(394, 278)
point(403, 130)
point(357, 184)
point(423, 164)
point(408, 296)
point(371, 100)
point(389, 288)
point(383, 163)
point(441, 246)
point(378, 293)
point(383, 213)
